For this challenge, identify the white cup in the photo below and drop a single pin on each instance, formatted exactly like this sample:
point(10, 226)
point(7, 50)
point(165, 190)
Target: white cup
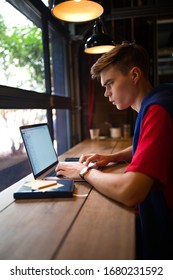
point(115, 132)
point(94, 133)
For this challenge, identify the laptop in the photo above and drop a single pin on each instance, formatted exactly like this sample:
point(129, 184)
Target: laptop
point(40, 150)
point(42, 156)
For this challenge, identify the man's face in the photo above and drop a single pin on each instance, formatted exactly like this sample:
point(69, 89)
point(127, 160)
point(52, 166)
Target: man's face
point(119, 88)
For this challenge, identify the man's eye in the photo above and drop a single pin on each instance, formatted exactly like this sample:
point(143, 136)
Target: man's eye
point(108, 85)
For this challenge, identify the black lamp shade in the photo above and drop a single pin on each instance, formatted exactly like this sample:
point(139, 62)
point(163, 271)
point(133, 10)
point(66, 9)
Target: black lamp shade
point(99, 42)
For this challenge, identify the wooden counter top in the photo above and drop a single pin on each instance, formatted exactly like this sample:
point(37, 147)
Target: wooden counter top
point(90, 226)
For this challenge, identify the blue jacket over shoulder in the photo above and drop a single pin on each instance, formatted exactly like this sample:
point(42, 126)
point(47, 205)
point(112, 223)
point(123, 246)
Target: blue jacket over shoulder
point(154, 225)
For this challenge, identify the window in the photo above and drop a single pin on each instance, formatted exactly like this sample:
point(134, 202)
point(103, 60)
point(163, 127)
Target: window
point(13, 160)
point(33, 84)
point(21, 52)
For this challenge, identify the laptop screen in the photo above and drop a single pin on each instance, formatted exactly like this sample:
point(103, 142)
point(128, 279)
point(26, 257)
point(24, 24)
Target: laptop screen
point(39, 147)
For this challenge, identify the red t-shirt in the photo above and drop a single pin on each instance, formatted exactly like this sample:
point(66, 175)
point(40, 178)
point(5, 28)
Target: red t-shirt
point(154, 153)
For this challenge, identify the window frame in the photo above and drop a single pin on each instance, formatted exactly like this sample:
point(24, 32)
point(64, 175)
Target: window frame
point(14, 98)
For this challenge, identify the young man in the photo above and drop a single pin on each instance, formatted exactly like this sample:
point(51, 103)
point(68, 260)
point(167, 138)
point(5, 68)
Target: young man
point(148, 179)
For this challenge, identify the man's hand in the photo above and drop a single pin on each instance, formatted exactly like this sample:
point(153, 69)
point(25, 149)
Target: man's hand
point(69, 169)
point(98, 159)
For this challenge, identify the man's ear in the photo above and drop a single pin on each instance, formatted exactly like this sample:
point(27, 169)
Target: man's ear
point(135, 74)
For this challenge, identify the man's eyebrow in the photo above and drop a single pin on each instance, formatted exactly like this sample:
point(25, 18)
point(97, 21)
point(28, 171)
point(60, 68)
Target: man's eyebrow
point(107, 82)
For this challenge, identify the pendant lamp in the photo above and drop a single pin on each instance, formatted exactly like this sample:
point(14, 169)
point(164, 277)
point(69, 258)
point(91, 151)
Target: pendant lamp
point(77, 10)
point(99, 42)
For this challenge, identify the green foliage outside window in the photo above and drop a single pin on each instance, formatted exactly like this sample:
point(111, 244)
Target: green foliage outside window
point(21, 47)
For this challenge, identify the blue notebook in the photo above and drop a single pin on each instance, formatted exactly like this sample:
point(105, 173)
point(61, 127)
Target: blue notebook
point(63, 189)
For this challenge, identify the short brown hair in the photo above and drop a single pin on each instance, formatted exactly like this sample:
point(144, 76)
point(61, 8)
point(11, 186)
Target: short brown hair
point(123, 57)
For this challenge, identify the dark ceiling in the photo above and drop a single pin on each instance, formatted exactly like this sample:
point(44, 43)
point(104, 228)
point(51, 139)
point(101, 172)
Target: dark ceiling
point(162, 10)
point(148, 22)
point(114, 9)
point(132, 20)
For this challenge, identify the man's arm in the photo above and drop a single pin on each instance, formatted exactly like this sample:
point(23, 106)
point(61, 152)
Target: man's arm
point(127, 188)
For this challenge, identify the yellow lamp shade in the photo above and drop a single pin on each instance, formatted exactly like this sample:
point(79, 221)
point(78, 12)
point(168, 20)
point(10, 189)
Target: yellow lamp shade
point(76, 10)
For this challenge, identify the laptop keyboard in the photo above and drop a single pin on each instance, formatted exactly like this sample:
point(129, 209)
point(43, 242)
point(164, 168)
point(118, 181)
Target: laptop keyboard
point(51, 174)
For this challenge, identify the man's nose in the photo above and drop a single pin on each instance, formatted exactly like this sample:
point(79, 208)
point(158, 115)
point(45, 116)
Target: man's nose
point(107, 93)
